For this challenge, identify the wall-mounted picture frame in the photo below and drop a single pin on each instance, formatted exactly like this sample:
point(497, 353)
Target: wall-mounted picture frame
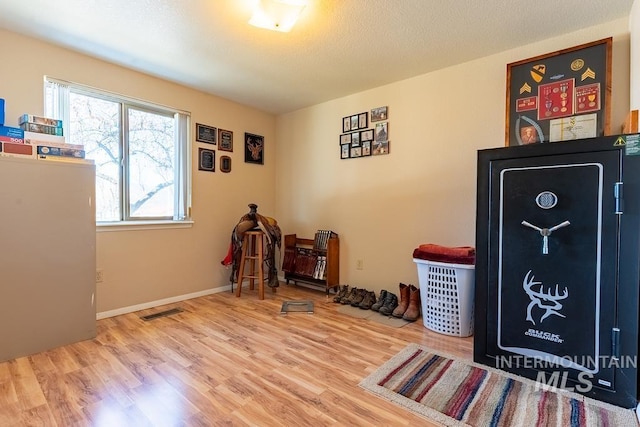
point(379, 114)
point(345, 138)
point(366, 135)
point(366, 148)
point(560, 96)
point(380, 148)
point(225, 140)
point(225, 164)
point(346, 124)
point(362, 121)
point(206, 133)
point(355, 139)
point(382, 131)
point(356, 152)
point(345, 149)
point(354, 122)
point(206, 160)
point(253, 148)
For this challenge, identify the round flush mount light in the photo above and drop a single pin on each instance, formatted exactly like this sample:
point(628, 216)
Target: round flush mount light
point(277, 15)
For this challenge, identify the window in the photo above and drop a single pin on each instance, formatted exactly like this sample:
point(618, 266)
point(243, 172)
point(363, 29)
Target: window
point(141, 151)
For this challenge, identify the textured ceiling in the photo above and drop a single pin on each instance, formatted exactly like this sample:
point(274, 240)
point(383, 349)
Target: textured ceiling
point(337, 48)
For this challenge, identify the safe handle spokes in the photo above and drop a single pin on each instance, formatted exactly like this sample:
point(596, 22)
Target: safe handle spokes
point(545, 233)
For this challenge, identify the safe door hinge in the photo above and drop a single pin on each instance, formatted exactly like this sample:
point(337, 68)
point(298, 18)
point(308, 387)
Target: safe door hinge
point(615, 343)
point(617, 194)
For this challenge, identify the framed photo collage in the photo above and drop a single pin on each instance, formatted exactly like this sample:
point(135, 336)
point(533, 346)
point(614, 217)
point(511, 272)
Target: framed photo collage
point(365, 134)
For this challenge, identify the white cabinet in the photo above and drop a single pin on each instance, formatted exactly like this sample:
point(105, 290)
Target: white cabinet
point(47, 255)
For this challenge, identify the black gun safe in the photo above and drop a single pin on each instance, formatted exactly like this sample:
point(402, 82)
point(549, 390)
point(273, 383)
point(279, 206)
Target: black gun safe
point(557, 264)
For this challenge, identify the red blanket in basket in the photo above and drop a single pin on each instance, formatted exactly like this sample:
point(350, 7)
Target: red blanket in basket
point(454, 255)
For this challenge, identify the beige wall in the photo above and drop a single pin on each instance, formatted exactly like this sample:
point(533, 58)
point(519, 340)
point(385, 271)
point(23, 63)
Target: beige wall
point(425, 190)
point(150, 265)
point(382, 207)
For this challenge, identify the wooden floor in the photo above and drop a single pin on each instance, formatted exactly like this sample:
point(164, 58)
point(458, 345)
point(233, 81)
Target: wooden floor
point(222, 361)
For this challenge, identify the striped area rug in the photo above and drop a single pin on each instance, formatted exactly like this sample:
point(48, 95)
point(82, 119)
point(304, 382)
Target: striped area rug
point(459, 393)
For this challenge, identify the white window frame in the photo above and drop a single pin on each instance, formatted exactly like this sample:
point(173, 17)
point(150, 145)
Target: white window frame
point(57, 106)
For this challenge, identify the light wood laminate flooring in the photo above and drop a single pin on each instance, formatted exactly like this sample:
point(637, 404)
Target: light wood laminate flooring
point(222, 361)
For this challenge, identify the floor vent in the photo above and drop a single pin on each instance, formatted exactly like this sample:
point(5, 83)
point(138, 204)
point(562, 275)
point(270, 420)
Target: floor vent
point(162, 314)
point(297, 306)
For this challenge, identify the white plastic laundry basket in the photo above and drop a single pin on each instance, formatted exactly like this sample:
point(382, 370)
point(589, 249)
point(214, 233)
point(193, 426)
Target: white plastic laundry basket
point(446, 295)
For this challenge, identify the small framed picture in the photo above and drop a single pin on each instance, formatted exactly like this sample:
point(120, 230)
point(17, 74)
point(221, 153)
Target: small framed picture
point(225, 140)
point(366, 135)
point(253, 148)
point(206, 160)
point(366, 148)
point(346, 124)
point(345, 138)
point(354, 122)
point(380, 147)
point(382, 131)
point(344, 151)
point(225, 164)
point(205, 133)
point(355, 139)
point(379, 114)
point(356, 152)
point(362, 121)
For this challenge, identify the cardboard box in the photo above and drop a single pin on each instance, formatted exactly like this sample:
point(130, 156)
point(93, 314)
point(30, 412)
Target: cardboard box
point(47, 158)
point(17, 150)
point(11, 132)
point(36, 143)
point(28, 118)
point(63, 152)
point(34, 127)
point(11, 139)
point(42, 137)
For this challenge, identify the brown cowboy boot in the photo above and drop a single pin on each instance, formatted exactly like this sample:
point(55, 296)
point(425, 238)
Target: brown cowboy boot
point(413, 310)
point(404, 301)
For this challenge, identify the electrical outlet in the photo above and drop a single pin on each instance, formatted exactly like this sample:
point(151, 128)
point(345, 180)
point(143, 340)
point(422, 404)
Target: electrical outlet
point(360, 264)
point(99, 276)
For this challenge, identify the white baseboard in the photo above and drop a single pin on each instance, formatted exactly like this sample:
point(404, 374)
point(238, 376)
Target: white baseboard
point(151, 304)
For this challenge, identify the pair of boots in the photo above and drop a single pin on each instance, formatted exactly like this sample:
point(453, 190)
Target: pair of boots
point(386, 303)
point(360, 298)
point(409, 306)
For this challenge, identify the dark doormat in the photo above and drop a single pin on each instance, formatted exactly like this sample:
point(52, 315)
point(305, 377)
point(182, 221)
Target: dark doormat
point(372, 315)
point(304, 306)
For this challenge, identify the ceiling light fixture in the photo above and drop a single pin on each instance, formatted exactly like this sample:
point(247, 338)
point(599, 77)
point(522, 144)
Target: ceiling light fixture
point(277, 15)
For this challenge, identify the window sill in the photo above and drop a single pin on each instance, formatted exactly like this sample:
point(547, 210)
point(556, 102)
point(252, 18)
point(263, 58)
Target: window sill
point(141, 225)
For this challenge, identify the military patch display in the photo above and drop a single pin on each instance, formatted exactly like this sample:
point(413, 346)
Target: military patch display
point(560, 96)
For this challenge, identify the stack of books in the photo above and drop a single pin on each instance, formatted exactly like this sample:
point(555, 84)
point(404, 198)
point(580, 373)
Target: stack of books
point(289, 262)
point(305, 262)
point(39, 124)
point(12, 142)
point(40, 138)
point(321, 239)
